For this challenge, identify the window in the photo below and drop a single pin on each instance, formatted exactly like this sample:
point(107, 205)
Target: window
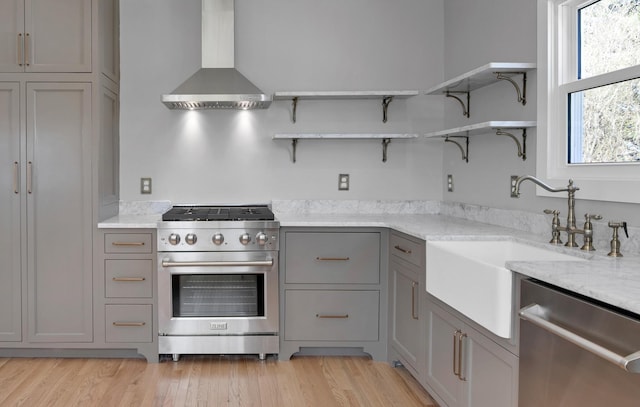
point(589, 96)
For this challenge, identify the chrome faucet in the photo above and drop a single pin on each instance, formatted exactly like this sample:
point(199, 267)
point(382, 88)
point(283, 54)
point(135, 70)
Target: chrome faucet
point(570, 227)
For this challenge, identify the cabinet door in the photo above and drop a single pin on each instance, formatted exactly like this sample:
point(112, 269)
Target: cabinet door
point(59, 226)
point(58, 35)
point(405, 324)
point(441, 345)
point(11, 35)
point(10, 219)
point(491, 372)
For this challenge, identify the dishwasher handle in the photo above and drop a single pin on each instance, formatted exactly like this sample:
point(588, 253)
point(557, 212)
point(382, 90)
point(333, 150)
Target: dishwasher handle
point(535, 314)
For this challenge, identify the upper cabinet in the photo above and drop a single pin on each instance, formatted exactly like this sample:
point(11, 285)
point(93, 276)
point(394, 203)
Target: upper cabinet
point(45, 36)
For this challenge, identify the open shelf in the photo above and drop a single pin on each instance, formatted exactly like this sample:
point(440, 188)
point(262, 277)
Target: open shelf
point(500, 128)
point(386, 139)
point(385, 96)
point(485, 75)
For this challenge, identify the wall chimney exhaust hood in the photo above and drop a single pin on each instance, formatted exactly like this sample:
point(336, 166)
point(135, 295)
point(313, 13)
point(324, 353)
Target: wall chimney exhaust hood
point(217, 85)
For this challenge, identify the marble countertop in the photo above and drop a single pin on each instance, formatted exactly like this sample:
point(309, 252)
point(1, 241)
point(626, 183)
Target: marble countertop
point(615, 281)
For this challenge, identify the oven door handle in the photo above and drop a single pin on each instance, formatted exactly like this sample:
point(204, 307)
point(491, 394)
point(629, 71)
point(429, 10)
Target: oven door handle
point(536, 314)
point(248, 263)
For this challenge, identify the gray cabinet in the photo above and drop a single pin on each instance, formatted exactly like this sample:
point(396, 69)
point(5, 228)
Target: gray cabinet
point(57, 192)
point(11, 202)
point(47, 230)
point(332, 296)
point(45, 36)
point(57, 116)
point(406, 301)
point(126, 290)
point(466, 367)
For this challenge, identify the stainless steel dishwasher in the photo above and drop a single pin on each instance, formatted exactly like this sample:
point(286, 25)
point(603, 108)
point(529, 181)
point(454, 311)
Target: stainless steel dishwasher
point(575, 351)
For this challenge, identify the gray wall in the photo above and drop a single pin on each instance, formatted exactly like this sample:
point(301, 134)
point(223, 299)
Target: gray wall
point(482, 31)
point(229, 156)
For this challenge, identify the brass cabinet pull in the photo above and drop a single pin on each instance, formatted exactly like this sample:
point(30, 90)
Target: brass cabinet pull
point(128, 243)
point(19, 49)
point(413, 300)
point(405, 251)
point(129, 323)
point(27, 40)
point(128, 279)
point(455, 352)
point(329, 316)
point(332, 258)
point(29, 177)
point(16, 177)
point(461, 337)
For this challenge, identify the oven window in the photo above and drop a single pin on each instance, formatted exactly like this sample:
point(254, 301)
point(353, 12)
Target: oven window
point(218, 295)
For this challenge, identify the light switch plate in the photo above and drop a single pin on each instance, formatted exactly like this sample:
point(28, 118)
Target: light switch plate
point(450, 182)
point(145, 186)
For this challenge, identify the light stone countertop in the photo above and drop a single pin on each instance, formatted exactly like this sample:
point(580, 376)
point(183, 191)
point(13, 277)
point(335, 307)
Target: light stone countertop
point(615, 281)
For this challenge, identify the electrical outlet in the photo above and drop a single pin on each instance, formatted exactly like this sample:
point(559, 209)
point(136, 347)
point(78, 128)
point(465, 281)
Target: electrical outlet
point(145, 186)
point(343, 182)
point(450, 182)
point(514, 178)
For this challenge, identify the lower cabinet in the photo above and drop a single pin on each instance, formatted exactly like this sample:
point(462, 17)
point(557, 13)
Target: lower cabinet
point(331, 292)
point(125, 291)
point(465, 367)
point(407, 327)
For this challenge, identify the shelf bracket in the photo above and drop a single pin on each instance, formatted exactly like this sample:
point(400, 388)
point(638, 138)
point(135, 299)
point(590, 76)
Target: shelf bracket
point(294, 108)
point(385, 105)
point(385, 143)
point(465, 108)
point(507, 76)
point(294, 146)
point(522, 148)
point(463, 150)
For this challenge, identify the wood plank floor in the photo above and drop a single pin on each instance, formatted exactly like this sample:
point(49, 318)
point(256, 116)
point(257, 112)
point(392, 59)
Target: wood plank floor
point(208, 381)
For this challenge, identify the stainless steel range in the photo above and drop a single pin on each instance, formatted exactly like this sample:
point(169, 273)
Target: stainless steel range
point(218, 281)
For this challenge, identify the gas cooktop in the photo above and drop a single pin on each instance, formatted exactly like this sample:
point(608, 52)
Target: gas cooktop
point(218, 213)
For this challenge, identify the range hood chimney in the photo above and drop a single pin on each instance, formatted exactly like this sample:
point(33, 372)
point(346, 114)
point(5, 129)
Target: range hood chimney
point(217, 85)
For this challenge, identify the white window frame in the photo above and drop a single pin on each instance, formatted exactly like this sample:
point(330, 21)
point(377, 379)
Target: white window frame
point(557, 62)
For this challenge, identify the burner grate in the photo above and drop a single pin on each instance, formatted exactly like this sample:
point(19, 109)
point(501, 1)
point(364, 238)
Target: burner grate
point(217, 213)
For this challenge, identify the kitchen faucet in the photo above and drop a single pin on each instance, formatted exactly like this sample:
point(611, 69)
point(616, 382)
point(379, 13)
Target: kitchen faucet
point(570, 227)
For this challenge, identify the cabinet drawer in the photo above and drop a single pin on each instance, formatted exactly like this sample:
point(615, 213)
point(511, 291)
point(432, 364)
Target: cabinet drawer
point(127, 243)
point(406, 249)
point(128, 278)
point(128, 323)
point(325, 315)
point(332, 258)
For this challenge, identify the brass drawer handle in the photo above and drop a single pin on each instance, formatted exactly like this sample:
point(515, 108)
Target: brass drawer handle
point(405, 251)
point(16, 177)
point(414, 315)
point(129, 323)
point(128, 243)
point(128, 279)
point(323, 316)
point(332, 258)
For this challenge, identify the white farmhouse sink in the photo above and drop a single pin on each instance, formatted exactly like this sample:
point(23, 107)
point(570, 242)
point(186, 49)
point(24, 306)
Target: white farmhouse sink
point(470, 276)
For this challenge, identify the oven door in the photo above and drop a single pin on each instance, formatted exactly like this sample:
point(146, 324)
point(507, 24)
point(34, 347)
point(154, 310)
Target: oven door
point(218, 293)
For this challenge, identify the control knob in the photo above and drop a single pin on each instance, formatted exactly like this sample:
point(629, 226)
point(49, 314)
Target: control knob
point(174, 239)
point(245, 238)
point(191, 238)
point(262, 238)
point(217, 239)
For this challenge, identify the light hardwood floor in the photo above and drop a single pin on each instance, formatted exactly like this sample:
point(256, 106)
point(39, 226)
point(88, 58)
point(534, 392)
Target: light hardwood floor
point(208, 381)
